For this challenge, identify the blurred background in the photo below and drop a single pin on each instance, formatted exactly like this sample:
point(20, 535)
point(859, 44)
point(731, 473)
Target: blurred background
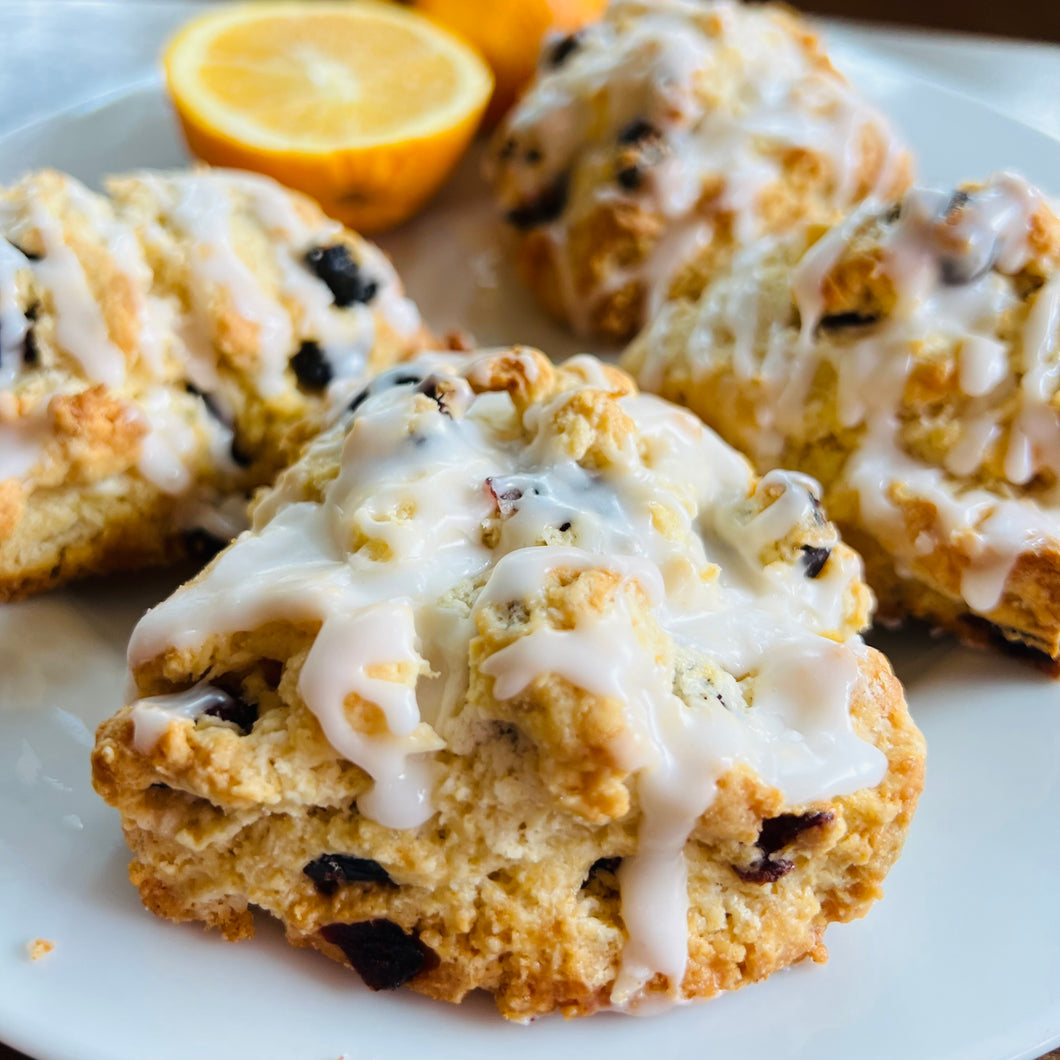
point(1032, 19)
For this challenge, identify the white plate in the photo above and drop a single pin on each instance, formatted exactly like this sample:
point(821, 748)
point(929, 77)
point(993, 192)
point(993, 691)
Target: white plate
point(960, 962)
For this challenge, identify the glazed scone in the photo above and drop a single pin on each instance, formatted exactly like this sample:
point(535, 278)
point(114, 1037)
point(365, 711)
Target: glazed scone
point(908, 361)
point(653, 145)
point(162, 352)
point(520, 681)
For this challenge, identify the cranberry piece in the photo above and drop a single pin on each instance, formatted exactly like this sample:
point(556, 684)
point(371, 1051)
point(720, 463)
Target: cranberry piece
point(330, 871)
point(814, 559)
point(381, 953)
point(630, 178)
point(779, 832)
point(545, 208)
point(836, 321)
point(563, 49)
point(765, 870)
point(336, 267)
point(638, 129)
point(775, 834)
point(311, 367)
point(30, 350)
point(235, 710)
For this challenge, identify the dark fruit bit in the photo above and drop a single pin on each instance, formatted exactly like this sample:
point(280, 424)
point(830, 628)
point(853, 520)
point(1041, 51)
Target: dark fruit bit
point(893, 213)
point(638, 129)
point(776, 834)
point(835, 321)
point(779, 832)
point(240, 457)
point(310, 366)
point(234, 709)
point(30, 352)
point(336, 267)
point(383, 955)
point(533, 156)
point(505, 499)
point(630, 177)
point(330, 871)
point(545, 208)
point(508, 149)
point(563, 49)
point(201, 544)
point(765, 870)
point(564, 527)
point(601, 865)
point(32, 311)
point(814, 559)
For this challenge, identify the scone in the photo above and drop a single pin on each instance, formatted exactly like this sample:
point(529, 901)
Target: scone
point(161, 352)
point(521, 681)
point(908, 361)
point(655, 144)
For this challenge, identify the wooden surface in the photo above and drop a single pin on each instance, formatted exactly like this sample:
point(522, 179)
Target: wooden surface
point(1037, 20)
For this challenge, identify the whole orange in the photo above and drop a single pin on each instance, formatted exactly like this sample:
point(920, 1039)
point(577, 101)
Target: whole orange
point(509, 34)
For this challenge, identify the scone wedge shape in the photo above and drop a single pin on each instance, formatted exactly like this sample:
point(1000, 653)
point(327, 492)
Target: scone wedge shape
point(908, 360)
point(163, 350)
point(653, 145)
point(520, 681)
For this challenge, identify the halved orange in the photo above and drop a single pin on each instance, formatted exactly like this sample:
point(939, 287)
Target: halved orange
point(365, 106)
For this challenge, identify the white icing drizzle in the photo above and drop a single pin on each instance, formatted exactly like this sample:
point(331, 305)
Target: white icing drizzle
point(13, 324)
point(950, 262)
point(375, 565)
point(180, 433)
point(203, 205)
point(126, 255)
point(151, 717)
point(80, 328)
point(200, 206)
point(728, 89)
point(21, 447)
